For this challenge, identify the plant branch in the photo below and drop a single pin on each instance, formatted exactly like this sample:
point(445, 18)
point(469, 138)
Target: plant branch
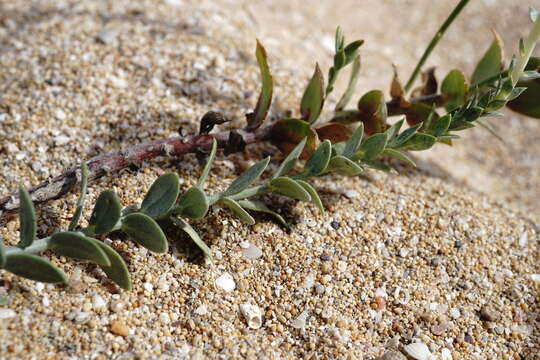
point(436, 38)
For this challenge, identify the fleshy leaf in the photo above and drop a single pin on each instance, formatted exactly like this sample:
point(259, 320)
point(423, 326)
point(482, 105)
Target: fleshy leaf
point(347, 95)
point(313, 98)
point(289, 187)
point(257, 205)
point(351, 50)
point(318, 161)
point(404, 136)
point(378, 165)
point(393, 130)
point(258, 116)
point(161, 196)
point(78, 246)
point(455, 88)
point(440, 126)
point(117, 271)
point(2, 254)
point(286, 134)
point(246, 178)
point(398, 155)
point(238, 210)
point(418, 142)
point(193, 204)
point(371, 147)
point(352, 145)
point(373, 112)
point(34, 268)
point(290, 161)
point(334, 132)
point(491, 63)
point(314, 195)
point(208, 164)
point(27, 219)
point(105, 215)
point(80, 203)
point(344, 166)
point(145, 231)
point(193, 235)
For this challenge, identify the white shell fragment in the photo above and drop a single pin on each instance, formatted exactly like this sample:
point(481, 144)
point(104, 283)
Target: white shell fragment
point(226, 282)
point(252, 314)
point(418, 351)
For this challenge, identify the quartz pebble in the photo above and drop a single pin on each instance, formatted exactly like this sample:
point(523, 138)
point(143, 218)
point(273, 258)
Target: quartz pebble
point(252, 252)
point(226, 282)
point(98, 303)
point(252, 314)
point(301, 321)
point(392, 355)
point(7, 313)
point(418, 351)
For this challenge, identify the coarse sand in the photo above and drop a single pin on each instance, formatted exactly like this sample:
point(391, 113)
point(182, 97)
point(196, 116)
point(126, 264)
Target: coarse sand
point(439, 260)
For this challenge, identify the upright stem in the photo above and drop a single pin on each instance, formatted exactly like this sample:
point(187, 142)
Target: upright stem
point(438, 35)
point(529, 46)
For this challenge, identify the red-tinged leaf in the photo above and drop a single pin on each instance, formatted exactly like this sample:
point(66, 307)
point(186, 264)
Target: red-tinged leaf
point(418, 113)
point(429, 84)
point(286, 134)
point(334, 132)
point(257, 117)
point(373, 112)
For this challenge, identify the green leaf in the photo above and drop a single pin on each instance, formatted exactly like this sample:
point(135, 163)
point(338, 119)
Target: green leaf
point(193, 204)
point(238, 210)
point(318, 161)
point(344, 166)
point(373, 112)
point(289, 187)
point(404, 136)
point(290, 161)
point(27, 219)
point(313, 98)
point(313, 194)
point(353, 80)
point(78, 246)
point(2, 254)
point(352, 145)
point(378, 165)
point(351, 50)
point(527, 103)
point(257, 205)
point(398, 155)
point(34, 268)
point(340, 39)
point(418, 142)
point(161, 196)
point(491, 63)
point(455, 88)
point(393, 130)
point(193, 235)
point(208, 164)
point(287, 133)
point(371, 147)
point(440, 126)
point(145, 231)
point(105, 215)
point(246, 178)
point(80, 203)
point(117, 271)
point(258, 116)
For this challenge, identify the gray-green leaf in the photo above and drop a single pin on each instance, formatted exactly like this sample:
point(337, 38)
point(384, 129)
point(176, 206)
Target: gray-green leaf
point(146, 232)
point(238, 210)
point(193, 204)
point(418, 142)
point(371, 147)
point(246, 178)
point(256, 118)
point(289, 162)
point(117, 271)
point(105, 215)
point(78, 246)
point(352, 145)
point(257, 205)
point(455, 88)
point(80, 203)
point(313, 194)
point(313, 98)
point(161, 196)
point(491, 63)
point(208, 164)
point(2, 254)
point(193, 235)
point(27, 219)
point(344, 166)
point(34, 268)
point(318, 161)
point(398, 155)
point(289, 187)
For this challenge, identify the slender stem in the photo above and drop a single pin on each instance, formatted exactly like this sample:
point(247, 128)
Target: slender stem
point(529, 46)
point(438, 35)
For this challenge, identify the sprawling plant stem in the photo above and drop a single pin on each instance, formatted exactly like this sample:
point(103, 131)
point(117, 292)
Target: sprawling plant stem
point(433, 43)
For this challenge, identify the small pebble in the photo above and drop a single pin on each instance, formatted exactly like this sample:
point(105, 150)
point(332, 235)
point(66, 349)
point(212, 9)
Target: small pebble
point(7, 313)
point(334, 224)
point(418, 351)
point(300, 321)
point(118, 327)
point(252, 314)
point(392, 355)
point(107, 35)
point(252, 252)
point(488, 313)
point(226, 282)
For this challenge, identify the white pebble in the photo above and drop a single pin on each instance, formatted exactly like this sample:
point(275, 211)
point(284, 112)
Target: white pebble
point(351, 194)
point(81, 316)
point(61, 140)
point(40, 286)
point(535, 278)
point(446, 354)
point(118, 82)
point(7, 313)
point(164, 318)
point(45, 301)
point(523, 239)
point(148, 287)
point(418, 351)
point(226, 282)
point(59, 114)
point(455, 313)
point(98, 303)
point(252, 314)
point(252, 252)
point(201, 310)
point(300, 321)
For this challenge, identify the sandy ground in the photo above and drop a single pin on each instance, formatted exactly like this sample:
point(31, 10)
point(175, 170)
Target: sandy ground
point(441, 255)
